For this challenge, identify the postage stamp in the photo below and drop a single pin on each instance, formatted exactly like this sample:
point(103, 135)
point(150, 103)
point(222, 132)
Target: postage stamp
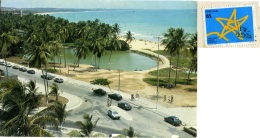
point(228, 25)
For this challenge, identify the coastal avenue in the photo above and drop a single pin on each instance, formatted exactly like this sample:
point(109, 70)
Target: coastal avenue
point(142, 120)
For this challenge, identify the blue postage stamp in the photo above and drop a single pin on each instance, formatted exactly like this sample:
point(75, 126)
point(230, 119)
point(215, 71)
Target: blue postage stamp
point(229, 25)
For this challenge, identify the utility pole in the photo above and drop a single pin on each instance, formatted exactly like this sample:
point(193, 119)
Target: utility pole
point(157, 93)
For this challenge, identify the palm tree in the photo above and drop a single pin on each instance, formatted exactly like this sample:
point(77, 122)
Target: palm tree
point(97, 45)
point(113, 44)
point(116, 29)
point(87, 126)
point(75, 133)
point(7, 40)
point(59, 111)
point(129, 37)
point(55, 48)
point(18, 105)
point(174, 41)
point(193, 51)
point(130, 132)
point(55, 90)
point(81, 50)
point(39, 54)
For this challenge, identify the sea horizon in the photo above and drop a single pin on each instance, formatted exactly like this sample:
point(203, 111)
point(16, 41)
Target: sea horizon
point(145, 24)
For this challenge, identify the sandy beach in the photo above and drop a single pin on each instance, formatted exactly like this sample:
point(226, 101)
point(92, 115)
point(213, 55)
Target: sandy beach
point(132, 81)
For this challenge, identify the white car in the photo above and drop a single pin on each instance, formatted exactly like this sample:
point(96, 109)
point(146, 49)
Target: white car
point(113, 114)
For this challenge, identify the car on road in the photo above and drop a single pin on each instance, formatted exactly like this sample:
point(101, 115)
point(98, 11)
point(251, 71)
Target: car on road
point(58, 80)
point(113, 114)
point(100, 92)
point(173, 120)
point(124, 105)
point(2, 63)
point(115, 96)
point(23, 69)
point(30, 71)
point(191, 130)
point(49, 77)
point(7, 64)
point(16, 67)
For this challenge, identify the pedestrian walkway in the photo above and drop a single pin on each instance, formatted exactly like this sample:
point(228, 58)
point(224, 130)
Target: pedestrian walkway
point(188, 115)
point(73, 101)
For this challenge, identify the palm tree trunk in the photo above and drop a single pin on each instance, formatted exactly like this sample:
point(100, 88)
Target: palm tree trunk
point(64, 58)
point(54, 62)
point(110, 58)
point(189, 71)
point(170, 69)
point(96, 60)
point(47, 86)
point(6, 67)
point(176, 74)
point(46, 95)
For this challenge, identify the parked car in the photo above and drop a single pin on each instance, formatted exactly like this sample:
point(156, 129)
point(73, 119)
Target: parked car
point(8, 64)
point(113, 114)
point(115, 96)
point(2, 63)
point(16, 67)
point(124, 105)
point(49, 77)
point(23, 69)
point(59, 80)
point(191, 130)
point(173, 120)
point(99, 92)
point(30, 71)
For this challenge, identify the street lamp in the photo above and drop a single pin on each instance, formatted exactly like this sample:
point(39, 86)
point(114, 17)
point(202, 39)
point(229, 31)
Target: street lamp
point(157, 93)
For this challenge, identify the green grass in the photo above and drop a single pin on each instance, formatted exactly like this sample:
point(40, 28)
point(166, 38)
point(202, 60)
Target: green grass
point(184, 61)
point(165, 73)
point(52, 70)
point(163, 78)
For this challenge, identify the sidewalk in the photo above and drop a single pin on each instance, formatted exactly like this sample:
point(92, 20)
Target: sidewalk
point(74, 101)
point(188, 115)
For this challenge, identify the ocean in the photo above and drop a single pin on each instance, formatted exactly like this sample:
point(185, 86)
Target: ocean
point(144, 24)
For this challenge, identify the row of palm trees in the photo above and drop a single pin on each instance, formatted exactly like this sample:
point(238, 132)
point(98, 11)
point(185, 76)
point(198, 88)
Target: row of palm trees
point(178, 42)
point(19, 101)
point(42, 38)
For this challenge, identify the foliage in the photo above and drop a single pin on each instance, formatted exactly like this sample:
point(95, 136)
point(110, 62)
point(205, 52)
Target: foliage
point(19, 100)
point(52, 70)
point(75, 133)
point(87, 125)
point(101, 81)
point(130, 132)
point(163, 76)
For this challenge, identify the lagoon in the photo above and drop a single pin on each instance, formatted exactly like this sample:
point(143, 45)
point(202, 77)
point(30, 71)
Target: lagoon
point(125, 60)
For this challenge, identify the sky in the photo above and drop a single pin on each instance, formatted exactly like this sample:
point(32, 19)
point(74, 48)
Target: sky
point(107, 4)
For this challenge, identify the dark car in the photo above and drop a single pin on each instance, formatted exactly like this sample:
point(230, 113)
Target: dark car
point(23, 69)
point(48, 77)
point(16, 67)
point(124, 105)
point(99, 92)
point(59, 80)
point(30, 71)
point(2, 63)
point(115, 96)
point(173, 120)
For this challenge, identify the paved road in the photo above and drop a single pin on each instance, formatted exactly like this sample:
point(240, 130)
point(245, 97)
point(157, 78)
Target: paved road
point(147, 122)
